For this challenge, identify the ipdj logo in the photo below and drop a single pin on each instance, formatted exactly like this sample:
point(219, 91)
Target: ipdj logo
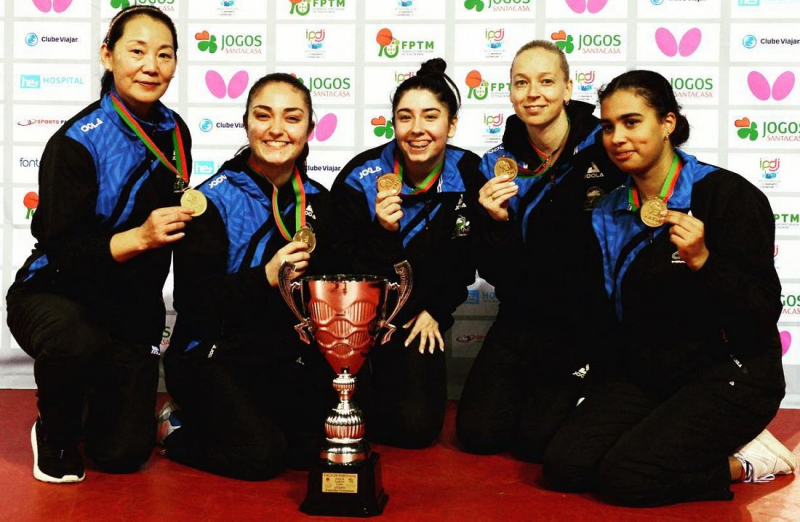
point(30, 81)
point(400, 77)
point(769, 167)
point(405, 3)
point(749, 3)
point(585, 80)
point(324, 128)
point(58, 6)
point(761, 88)
point(668, 45)
point(382, 128)
point(206, 125)
point(227, 3)
point(31, 39)
point(235, 87)
point(749, 41)
point(494, 123)
point(494, 38)
point(593, 6)
point(316, 39)
point(31, 202)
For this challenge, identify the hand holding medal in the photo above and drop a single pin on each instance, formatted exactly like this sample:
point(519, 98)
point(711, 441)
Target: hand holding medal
point(688, 234)
point(495, 193)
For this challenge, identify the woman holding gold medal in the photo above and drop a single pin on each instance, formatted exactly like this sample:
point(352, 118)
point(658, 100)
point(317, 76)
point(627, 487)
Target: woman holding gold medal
point(413, 199)
point(252, 396)
point(688, 263)
point(87, 304)
point(543, 182)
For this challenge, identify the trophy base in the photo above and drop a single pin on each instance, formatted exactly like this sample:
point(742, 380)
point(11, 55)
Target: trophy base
point(354, 490)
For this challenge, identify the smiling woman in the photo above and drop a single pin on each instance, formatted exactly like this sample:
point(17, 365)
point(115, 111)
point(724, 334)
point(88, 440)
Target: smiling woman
point(413, 198)
point(87, 304)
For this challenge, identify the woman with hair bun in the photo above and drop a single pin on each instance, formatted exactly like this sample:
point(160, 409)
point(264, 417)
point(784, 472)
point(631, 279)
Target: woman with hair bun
point(413, 198)
point(696, 374)
point(87, 304)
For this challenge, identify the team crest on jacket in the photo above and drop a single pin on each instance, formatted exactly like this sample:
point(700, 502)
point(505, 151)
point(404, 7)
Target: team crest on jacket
point(593, 195)
point(462, 227)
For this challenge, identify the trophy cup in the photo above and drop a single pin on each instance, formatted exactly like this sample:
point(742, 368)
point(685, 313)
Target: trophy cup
point(345, 315)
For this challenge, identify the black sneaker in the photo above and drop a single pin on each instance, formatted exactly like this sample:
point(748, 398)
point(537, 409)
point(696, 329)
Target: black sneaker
point(51, 464)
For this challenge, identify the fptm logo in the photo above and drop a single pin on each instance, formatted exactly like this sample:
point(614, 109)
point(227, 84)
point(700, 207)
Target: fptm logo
point(593, 6)
point(303, 7)
point(668, 45)
point(31, 202)
point(235, 87)
point(762, 90)
point(58, 6)
point(479, 88)
point(390, 46)
point(382, 128)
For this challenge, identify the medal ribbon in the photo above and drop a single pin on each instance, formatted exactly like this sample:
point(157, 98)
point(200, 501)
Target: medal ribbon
point(666, 189)
point(300, 199)
point(426, 184)
point(177, 141)
point(546, 159)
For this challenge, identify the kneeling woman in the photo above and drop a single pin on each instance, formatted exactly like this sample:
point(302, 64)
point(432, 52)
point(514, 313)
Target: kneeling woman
point(688, 262)
point(413, 198)
point(252, 397)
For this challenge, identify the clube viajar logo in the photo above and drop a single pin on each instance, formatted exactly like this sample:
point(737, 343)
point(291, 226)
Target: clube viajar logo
point(228, 43)
point(497, 5)
point(480, 89)
point(390, 47)
point(588, 43)
point(770, 130)
point(303, 7)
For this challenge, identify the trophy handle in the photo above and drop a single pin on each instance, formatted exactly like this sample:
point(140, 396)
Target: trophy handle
point(403, 288)
point(288, 289)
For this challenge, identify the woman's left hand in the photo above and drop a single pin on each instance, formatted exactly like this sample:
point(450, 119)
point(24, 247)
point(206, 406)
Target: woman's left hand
point(688, 234)
point(428, 330)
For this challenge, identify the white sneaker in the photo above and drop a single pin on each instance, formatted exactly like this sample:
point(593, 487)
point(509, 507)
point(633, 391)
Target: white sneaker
point(764, 457)
point(167, 421)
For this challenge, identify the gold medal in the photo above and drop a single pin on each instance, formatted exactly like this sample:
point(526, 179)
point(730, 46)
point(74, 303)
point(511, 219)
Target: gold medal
point(195, 200)
point(306, 235)
point(506, 167)
point(650, 212)
point(389, 182)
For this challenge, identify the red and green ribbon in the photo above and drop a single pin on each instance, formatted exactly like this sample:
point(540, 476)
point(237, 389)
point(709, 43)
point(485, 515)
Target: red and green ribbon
point(427, 183)
point(546, 160)
point(666, 189)
point(300, 199)
point(177, 141)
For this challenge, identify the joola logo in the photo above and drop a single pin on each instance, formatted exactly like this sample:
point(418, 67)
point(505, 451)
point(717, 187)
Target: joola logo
point(89, 126)
point(217, 181)
point(368, 171)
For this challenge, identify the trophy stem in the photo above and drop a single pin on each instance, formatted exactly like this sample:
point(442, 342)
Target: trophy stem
point(344, 427)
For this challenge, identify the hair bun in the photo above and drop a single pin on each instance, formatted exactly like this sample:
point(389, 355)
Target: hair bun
point(433, 66)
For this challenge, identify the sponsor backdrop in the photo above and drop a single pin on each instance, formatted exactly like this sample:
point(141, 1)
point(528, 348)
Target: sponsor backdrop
point(734, 66)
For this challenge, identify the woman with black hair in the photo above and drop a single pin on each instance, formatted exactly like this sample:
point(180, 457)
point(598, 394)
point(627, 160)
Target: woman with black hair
point(252, 397)
point(413, 198)
point(688, 264)
point(87, 304)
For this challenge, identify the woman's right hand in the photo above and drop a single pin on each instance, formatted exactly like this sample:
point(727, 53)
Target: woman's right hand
point(163, 226)
point(388, 210)
point(296, 253)
point(494, 196)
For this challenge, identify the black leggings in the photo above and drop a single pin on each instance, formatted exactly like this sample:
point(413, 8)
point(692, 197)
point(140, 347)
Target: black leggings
point(79, 364)
point(638, 451)
point(246, 413)
point(519, 390)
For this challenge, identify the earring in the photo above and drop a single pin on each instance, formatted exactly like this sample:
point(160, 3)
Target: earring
point(566, 103)
point(666, 137)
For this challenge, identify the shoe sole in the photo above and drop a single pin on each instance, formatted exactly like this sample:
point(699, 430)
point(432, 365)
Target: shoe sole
point(781, 451)
point(44, 477)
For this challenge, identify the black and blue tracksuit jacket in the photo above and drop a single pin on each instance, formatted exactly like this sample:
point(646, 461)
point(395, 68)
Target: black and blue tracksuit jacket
point(96, 179)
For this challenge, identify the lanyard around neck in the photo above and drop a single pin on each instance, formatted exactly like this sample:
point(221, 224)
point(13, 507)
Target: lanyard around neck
point(177, 141)
point(546, 160)
point(300, 200)
point(426, 184)
point(667, 188)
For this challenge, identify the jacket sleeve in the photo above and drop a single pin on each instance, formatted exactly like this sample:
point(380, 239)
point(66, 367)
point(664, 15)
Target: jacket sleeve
point(65, 224)
point(203, 288)
point(739, 275)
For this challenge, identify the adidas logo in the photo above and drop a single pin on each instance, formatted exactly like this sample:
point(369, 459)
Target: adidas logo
point(581, 373)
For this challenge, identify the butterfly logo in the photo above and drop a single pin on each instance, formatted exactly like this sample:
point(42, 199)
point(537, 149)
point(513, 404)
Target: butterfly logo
point(593, 6)
point(324, 127)
point(58, 6)
point(761, 89)
point(668, 45)
point(236, 86)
